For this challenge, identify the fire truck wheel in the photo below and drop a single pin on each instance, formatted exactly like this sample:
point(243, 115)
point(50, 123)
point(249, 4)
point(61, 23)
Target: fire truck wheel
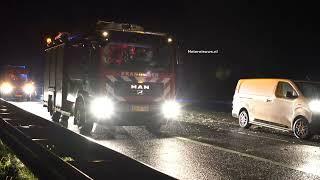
point(50, 106)
point(28, 98)
point(56, 116)
point(84, 125)
point(64, 118)
point(64, 121)
point(154, 128)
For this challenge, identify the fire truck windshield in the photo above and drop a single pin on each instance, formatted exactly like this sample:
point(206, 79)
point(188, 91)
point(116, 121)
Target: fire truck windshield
point(137, 56)
point(18, 77)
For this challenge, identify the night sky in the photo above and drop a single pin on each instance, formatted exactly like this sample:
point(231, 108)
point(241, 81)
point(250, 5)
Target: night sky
point(265, 39)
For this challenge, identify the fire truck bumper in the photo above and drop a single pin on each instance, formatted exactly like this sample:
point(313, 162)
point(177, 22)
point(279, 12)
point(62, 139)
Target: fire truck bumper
point(14, 96)
point(106, 112)
point(133, 119)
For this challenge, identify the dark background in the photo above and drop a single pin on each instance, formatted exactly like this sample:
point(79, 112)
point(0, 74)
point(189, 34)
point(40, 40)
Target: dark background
point(264, 39)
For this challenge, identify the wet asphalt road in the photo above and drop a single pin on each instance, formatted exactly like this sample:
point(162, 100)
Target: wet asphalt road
point(221, 151)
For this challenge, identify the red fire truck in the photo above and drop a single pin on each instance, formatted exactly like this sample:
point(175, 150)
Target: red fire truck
point(15, 83)
point(115, 74)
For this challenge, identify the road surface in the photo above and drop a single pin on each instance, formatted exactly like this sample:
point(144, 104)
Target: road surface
point(221, 151)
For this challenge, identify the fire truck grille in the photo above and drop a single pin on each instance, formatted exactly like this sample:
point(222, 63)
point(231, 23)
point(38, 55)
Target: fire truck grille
point(138, 89)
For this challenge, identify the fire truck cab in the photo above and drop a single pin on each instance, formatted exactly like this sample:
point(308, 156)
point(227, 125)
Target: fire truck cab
point(116, 74)
point(15, 83)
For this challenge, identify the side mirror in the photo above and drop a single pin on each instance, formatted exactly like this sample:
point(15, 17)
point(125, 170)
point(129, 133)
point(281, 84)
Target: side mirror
point(290, 95)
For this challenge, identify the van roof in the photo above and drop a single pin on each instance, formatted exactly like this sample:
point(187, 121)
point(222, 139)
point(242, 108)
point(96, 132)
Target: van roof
point(276, 79)
point(281, 79)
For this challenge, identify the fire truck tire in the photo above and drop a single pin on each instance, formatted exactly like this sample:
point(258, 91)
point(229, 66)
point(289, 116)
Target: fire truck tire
point(56, 116)
point(64, 121)
point(50, 106)
point(64, 118)
point(86, 128)
point(154, 128)
point(84, 125)
point(28, 98)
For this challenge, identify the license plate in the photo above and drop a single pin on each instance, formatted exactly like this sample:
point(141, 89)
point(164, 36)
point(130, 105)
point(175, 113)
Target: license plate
point(137, 108)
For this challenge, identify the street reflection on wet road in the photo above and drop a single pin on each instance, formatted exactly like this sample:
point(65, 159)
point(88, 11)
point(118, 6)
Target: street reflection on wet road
point(187, 151)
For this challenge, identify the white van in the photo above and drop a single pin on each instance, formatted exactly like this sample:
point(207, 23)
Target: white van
point(278, 103)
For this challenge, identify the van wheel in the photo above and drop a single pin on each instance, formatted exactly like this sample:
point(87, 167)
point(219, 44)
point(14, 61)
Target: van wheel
point(84, 125)
point(301, 129)
point(244, 119)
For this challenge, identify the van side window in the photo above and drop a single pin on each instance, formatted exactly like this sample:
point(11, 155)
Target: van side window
point(283, 88)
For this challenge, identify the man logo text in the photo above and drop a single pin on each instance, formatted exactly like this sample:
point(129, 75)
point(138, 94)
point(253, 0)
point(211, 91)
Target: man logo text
point(140, 86)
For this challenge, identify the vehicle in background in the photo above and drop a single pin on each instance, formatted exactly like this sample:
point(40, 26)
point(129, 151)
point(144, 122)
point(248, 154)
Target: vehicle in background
point(282, 104)
point(116, 74)
point(15, 83)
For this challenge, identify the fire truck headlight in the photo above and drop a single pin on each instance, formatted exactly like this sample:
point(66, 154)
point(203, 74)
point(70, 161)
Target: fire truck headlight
point(6, 88)
point(171, 109)
point(28, 88)
point(314, 106)
point(102, 107)
point(105, 33)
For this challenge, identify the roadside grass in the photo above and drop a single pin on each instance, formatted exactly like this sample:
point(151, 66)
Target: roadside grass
point(11, 168)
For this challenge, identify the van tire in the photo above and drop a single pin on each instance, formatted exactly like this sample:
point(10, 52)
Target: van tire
point(244, 119)
point(301, 129)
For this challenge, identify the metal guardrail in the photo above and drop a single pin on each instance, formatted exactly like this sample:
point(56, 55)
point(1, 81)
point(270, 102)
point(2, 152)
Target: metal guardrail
point(41, 161)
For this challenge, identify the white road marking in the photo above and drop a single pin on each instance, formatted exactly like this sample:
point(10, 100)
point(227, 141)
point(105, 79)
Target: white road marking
point(317, 173)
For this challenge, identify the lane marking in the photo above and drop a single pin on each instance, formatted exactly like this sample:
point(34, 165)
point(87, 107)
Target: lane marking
point(249, 156)
point(36, 139)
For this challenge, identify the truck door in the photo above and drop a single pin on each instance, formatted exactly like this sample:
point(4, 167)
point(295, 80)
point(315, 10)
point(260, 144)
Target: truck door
point(59, 76)
point(49, 75)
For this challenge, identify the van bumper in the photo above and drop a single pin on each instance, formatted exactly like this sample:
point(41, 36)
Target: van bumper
point(235, 112)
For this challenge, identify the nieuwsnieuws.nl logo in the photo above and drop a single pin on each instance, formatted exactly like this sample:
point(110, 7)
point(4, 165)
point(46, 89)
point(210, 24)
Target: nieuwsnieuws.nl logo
point(203, 51)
